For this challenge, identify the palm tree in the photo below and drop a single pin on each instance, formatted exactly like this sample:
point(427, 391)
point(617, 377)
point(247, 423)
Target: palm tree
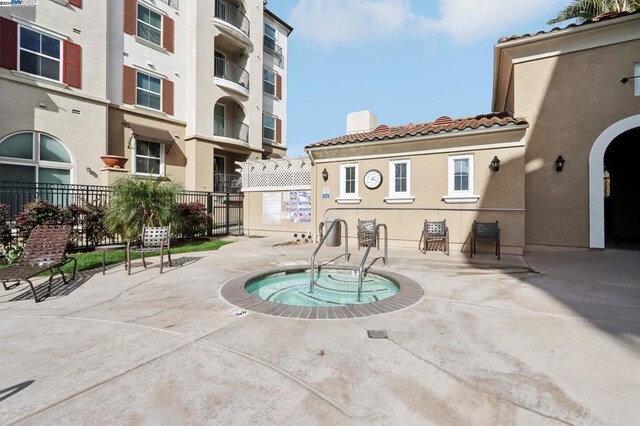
point(138, 202)
point(582, 10)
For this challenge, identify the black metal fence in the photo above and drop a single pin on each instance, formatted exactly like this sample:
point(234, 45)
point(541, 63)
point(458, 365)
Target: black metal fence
point(224, 208)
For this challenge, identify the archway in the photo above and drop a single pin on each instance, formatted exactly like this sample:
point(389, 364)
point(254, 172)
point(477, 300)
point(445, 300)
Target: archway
point(596, 175)
point(622, 198)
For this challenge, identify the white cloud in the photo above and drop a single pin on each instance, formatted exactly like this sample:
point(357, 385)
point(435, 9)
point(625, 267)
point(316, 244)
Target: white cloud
point(340, 22)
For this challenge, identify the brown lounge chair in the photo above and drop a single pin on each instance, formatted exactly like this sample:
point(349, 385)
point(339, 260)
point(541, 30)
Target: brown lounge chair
point(45, 250)
point(485, 232)
point(152, 239)
point(434, 232)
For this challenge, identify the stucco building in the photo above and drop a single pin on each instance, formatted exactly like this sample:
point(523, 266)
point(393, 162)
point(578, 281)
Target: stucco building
point(566, 134)
point(182, 89)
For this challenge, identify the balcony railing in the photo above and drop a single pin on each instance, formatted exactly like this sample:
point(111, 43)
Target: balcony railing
point(231, 14)
point(272, 48)
point(227, 182)
point(232, 72)
point(229, 128)
point(173, 3)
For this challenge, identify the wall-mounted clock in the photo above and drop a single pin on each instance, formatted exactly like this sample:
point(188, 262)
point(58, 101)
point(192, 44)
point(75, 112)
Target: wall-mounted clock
point(373, 179)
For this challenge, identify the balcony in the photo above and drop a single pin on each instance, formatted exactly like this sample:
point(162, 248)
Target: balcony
point(232, 129)
point(231, 76)
point(231, 20)
point(272, 48)
point(227, 182)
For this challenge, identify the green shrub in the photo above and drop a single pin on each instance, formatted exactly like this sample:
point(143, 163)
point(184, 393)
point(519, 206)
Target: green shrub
point(138, 202)
point(195, 219)
point(40, 212)
point(95, 226)
point(5, 227)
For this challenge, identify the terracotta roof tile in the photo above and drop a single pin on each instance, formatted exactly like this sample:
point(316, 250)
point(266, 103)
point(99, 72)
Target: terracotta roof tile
point(499, 119)
point(600, 18)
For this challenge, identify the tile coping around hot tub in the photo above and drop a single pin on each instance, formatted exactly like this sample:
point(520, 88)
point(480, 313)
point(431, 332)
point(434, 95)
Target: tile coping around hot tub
point(233, 291)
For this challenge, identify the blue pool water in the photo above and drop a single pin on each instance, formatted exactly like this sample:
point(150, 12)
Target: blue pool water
point(332, 288)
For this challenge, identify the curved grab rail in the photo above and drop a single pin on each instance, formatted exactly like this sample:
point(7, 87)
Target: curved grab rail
point(374, 236)
point(312, 274)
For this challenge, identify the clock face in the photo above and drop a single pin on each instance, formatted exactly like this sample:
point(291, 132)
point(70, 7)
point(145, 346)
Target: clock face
point(373, 179)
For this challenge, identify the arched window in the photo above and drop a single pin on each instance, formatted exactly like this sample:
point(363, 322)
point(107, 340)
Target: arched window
point(30, 157)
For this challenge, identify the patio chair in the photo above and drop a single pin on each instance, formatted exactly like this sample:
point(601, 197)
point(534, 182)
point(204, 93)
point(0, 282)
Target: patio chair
point(45, 250)
point(152, 239)
point(434, 232)
point(365, 233)
point(485, 232)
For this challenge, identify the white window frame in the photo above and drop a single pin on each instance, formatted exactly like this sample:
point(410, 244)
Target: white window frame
point(134, 166)
point(636, 72)
point(148, 91)
point(400, 197)
point(275, 81)
point(35, 161)
point(349, 198)
point(275, 127)
point(140, 4)
point(275, 31)
point(20, 48)
point(461, 197)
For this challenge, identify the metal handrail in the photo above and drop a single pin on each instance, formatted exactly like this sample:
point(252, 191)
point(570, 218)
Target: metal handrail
point(232, 72)
point(324, 238)
point(231, 14)
point(374, 236)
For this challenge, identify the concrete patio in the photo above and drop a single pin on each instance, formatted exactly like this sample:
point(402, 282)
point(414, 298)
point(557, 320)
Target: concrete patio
point(552, 338)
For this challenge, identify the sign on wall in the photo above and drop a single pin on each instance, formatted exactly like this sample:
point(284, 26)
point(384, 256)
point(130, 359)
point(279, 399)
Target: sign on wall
point(272, 208)
point(298, 204)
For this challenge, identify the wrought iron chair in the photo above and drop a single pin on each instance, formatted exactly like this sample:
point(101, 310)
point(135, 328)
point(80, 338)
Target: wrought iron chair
point(45, 250)
point(152, 239)
point(434, 232)
point(365, 233)
point(485, 232)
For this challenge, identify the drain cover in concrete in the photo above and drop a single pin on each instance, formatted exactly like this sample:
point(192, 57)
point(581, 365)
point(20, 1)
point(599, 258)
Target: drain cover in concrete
point(237, 312)
point(377, 334)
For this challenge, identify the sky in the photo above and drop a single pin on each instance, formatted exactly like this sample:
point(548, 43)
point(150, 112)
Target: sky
point(404, 60)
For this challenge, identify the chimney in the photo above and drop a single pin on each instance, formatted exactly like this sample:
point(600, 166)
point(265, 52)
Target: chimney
point(361, 121)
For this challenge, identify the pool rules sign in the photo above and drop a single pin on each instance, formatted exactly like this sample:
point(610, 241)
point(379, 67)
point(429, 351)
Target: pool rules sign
point(299, 206)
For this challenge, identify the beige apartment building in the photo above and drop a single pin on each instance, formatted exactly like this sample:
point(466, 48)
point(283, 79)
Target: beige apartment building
point(174, 89)
point(555, 166)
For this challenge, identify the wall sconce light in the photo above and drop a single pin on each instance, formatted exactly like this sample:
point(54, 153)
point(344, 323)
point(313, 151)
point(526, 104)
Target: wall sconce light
point(625, 80)
point(495, 164)
point(325, 175)
point(559, 163)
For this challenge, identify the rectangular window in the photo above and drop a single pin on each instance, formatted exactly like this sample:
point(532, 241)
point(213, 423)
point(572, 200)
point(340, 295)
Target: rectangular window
point(269, 127)
point(270, 36)
point(149, 25)
point(269, 84)
point(148, 91)
point(39, 54)
point(149, 156)
point(461, 175)
point(461, 180)
point(348, 182)
point(399, 171)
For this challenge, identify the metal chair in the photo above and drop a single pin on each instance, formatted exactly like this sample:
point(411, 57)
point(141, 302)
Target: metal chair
point(365, 233)
point(45, 250)
point(152, 239)
point(485, 232)
point(434, 232)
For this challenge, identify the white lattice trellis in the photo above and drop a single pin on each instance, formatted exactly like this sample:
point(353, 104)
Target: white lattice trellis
point(276, 174)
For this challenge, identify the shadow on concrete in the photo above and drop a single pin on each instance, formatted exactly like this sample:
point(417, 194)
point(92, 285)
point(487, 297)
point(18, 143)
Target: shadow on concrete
point(58, 288)
point(12, 390)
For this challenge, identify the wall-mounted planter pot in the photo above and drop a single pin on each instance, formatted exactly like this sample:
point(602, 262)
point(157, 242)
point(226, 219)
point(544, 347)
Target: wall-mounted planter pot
point(114, 161)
